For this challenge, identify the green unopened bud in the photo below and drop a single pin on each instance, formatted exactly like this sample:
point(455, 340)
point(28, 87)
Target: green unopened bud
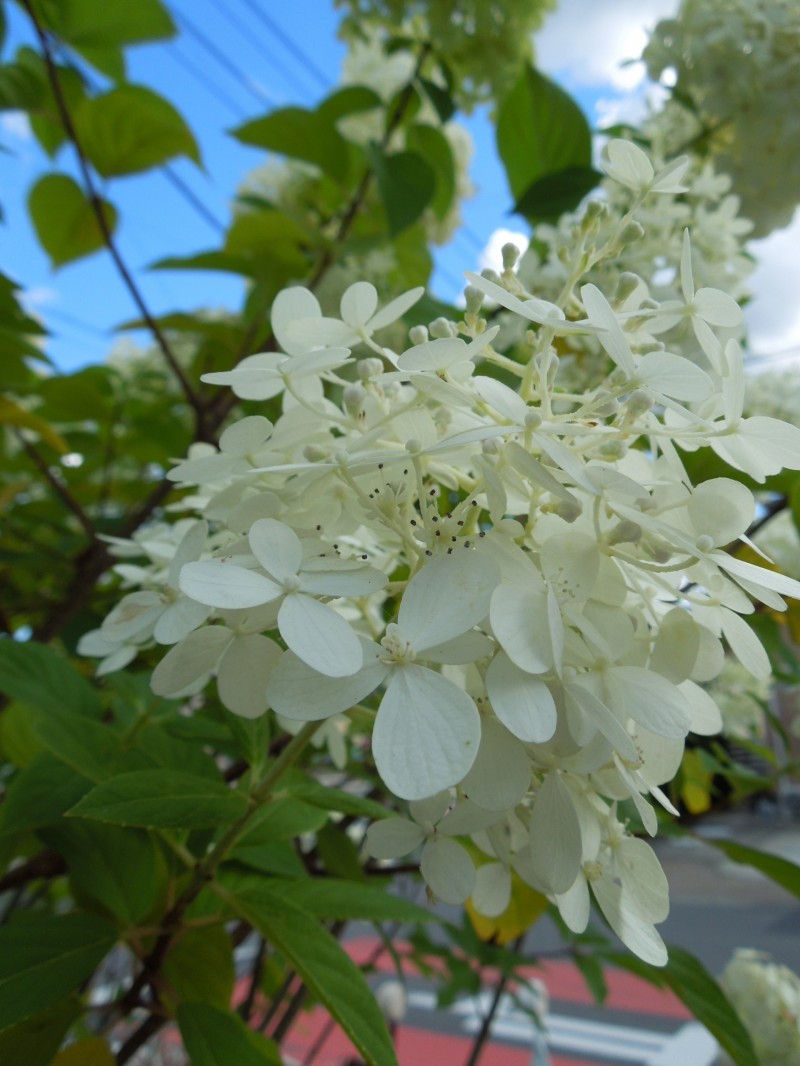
point(625, 532)
point(440, 327)
point(369, 368)
point(639, 402)
point(567, 510)
point(353, 397)
point(704, 543)
point(605, 405)
point(418, 334)
point(474, 299)
point(633, 231)
point(613, 450)
point(492, 275)
point(627, 285)
point(314, 453)
point(510, 254)
point(533, 419)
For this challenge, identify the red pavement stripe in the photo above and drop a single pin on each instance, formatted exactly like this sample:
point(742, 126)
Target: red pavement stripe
point(564, 983)
point(415, 1047)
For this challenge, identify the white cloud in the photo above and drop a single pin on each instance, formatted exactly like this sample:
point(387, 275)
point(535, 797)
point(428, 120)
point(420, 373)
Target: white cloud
point(39, 296)
point(16, 124)
point(773, 315)
point(585, 42)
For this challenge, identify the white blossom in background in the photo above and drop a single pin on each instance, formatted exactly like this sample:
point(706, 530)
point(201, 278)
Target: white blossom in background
point(767, 998)
point(500, 563)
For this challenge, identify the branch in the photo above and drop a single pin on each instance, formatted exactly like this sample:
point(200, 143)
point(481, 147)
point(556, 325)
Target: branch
point(486, 1025)
point(102, 222)
point(46, 864)
point(57, 486)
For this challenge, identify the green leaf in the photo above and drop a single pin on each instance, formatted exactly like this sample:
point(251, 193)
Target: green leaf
point(271, 241)
point(40, 795)
point(298, 784)
point(694, 985)
point(300, 134)
point(11, 414)
point(434, 147)
point(89, 24)
point(331, 898)
point(215, 1037)
point(339, 854)
point(283, 819)
point(120, 868)
point(38, 1038)
point(64, 219)
point(93, 1051)
point(541, 132)
point(93, 751)
point(549, 197)
point(19, 742)
point(200, 967)
point(131, 129)
point(326, 969)
point(794, 503)
point(696, 988)
point(591, 970)
point(43, 958)
point(781, 871)
point(162, 799)
point(351, 100)
point(406, 183)
point(38, 676)
point(276, 857)
point(440, 98)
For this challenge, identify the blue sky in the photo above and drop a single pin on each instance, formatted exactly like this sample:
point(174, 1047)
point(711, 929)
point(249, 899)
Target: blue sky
point(236, 60)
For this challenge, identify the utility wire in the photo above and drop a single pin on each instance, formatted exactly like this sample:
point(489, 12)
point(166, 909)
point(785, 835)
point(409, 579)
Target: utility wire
point(219, 56)
point(286, 73)
point(208, 84)
point(287, 42)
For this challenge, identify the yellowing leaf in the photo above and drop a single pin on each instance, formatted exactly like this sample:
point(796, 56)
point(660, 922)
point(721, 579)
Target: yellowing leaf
point(13, 415)
point(93, 1051)
point(696, 784)
point(525, 908)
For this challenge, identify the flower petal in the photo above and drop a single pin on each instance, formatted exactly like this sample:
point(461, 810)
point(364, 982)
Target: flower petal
point(297, 692)
point(448, 870)
point(446, 598)
point(501, 774)
point(523, 703)
point(393, 837)
point(243, 674)
point(319, 636)
point(226, 585)
point(426, 734)
point(277, 547)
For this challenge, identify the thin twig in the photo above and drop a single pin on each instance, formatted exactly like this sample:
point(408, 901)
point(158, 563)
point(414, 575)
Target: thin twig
point(486, 1026)
point(58, 487)
point(257, 972)
point(102, 222)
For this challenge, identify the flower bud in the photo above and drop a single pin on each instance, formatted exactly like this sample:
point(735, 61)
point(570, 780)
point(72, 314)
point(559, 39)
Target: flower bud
point(369, 368)
point(314, 453)
point(353, 397)
point(625, 532)
point(418, 334)
point(633, 231)
point(639, 402)
point(440, 327)
point(510, 254)
point(474, 299)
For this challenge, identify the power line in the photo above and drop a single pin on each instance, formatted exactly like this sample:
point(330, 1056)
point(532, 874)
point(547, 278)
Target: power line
point(208, 84)
point(178, 183)
point(219, 56)
point(247, 33)
point(299, 55)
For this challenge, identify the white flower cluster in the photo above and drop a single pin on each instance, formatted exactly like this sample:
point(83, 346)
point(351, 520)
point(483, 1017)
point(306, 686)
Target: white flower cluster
point(735, 65)
point(767, 998)
point(519, 582)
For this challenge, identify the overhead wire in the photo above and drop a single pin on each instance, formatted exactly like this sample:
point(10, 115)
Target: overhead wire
point(208, 84)
point(286, 73)
point(300, 56)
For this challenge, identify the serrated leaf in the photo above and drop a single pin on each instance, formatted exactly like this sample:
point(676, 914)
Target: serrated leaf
point(11, 414)
point(43, 958)
point(64, 219)
point(549, 197)
point(541, 131)
point(40, 795)
point(781, 871)
point(39, 1037)
point(691, 982)
point(406, 183)
point(335, 899)
point(120, 868)
point(327, 970)
point(300, 134)
point(93, 1051)
point(215, 1037)
point(435, 149)
point(200, 968)
point(131, 129)
point(162, 799)
point(38, 676)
